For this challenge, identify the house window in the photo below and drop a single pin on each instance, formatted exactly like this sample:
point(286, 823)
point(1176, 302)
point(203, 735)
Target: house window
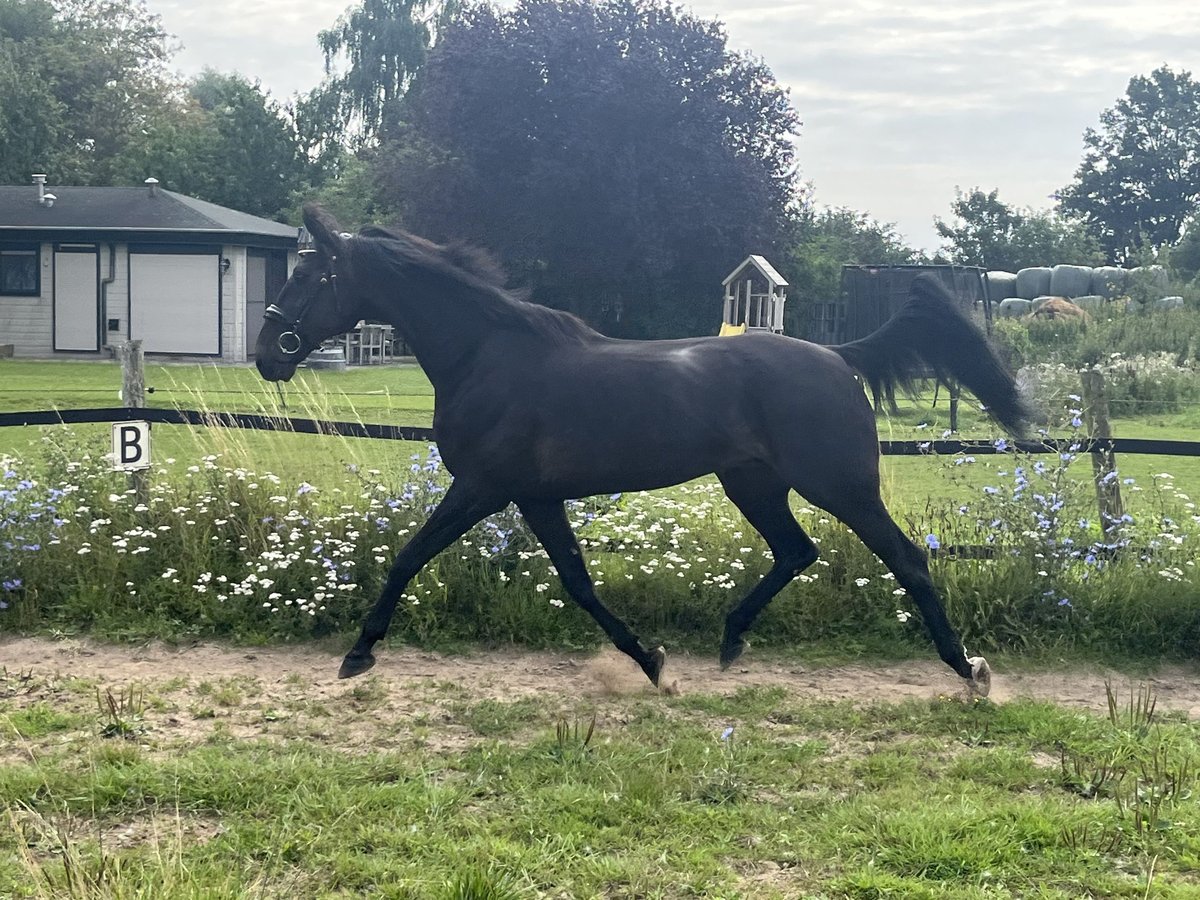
point(19, 271)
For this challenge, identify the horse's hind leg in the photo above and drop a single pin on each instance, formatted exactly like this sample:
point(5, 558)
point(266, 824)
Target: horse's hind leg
point(762, 497)
point(548, 520)
point(867, 517)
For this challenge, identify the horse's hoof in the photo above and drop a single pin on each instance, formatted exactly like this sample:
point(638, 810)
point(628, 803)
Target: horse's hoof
point(731, 650)
point(981, 676)
point(355, 665)
point(654, 665)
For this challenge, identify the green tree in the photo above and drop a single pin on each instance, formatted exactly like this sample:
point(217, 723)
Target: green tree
point(1140, 176)
point(380, 45)
point(349, 191)
point(823, 241)
point(826, 239)
point(226, 142)
point(81, 81)
point(982, 231)
point(31, 115)
point(1044, 238)
point(987, 232)
point(1184, 257)
point(616, 154)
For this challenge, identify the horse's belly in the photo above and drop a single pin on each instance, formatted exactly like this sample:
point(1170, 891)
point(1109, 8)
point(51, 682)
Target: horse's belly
point(632, 460)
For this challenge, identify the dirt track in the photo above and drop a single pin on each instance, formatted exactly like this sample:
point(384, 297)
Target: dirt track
point(280, 672)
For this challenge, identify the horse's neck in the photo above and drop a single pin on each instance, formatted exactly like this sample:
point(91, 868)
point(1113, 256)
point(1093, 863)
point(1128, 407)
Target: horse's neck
point(444, 335)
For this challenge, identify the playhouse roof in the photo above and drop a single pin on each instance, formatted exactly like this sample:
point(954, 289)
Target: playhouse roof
point(765, 269)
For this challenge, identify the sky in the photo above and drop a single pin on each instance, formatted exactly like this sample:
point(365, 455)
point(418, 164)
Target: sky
point(901, 103)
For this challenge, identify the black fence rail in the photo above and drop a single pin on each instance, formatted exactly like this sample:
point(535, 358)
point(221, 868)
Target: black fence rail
point(413, 433)
point(253, 421)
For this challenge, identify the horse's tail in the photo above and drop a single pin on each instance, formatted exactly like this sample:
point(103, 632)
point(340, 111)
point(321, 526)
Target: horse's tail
point(930, 333)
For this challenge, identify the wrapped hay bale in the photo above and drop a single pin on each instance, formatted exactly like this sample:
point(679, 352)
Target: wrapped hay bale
point(1070, 281)
point(1001, 285)
point(1013, 307)
point(1146, 283)
point(1093, 303)
point(1108, 281)
point(1168, 303)
point(1033, 282)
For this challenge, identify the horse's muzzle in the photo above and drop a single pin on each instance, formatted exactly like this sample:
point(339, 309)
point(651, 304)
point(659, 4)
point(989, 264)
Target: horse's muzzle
point(272, 370)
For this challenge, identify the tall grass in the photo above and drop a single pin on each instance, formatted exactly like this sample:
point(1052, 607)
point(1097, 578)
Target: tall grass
point(1150, 360)
point(1091, 342)
point(216, 546)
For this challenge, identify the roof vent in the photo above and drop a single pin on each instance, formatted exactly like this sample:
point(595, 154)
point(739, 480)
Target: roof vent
point(152, 184)
point(40, 181)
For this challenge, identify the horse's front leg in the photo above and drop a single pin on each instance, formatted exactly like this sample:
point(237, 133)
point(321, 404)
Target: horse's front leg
point(548, 520)
point(463, 506)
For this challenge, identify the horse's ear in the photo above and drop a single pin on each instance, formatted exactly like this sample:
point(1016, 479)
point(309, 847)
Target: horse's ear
point(323, 227)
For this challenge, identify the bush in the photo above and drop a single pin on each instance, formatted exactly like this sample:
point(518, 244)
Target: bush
point(1151, 360)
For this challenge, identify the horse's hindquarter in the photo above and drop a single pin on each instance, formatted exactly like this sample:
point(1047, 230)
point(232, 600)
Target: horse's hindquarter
point(635, 415)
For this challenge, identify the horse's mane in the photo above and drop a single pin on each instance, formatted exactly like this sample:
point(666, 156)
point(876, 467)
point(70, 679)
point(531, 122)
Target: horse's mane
point(395, 250)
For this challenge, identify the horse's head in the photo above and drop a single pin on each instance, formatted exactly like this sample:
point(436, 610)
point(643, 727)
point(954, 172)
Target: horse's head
point(317, 302)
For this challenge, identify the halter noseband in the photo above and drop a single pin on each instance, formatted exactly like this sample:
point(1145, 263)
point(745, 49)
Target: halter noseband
point(290, 342)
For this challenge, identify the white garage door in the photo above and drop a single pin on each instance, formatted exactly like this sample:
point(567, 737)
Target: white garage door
point(175, 302)
point(76, 300)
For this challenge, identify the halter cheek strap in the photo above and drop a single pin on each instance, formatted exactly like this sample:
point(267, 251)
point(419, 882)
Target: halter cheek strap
point(291, 342)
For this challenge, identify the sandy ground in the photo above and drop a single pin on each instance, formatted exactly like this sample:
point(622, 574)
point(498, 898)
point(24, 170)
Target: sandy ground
point(283, 672)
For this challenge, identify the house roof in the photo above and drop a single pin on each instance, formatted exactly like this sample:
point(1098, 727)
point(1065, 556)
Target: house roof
point(130, 209)
point(764, 267)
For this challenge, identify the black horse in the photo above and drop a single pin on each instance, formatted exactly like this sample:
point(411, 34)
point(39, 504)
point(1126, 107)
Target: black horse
point(534, 407)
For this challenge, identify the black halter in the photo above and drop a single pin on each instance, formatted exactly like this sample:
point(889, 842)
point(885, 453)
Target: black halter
point(290, 342)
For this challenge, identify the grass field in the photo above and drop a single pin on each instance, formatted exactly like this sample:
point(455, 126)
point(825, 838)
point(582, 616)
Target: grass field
point(234, 776)
point(397, 394)
point(390, 392)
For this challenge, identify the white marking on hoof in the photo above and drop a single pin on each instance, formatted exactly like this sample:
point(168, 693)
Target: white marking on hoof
point(670, 688)
point(981, 676)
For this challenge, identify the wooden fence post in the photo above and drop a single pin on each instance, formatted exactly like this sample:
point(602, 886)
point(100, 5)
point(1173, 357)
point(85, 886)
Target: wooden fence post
point(1104, 462)
point(133, 371)
point(133, 396)
point(955, 393)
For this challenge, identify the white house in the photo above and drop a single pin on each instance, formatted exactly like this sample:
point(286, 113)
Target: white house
point(83, 268)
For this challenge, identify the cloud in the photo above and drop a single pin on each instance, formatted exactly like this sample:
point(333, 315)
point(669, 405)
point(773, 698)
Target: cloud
point(900, 104)
point(269, 40)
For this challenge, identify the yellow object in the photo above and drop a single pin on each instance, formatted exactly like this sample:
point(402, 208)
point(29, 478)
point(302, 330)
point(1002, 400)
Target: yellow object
point(727, 329)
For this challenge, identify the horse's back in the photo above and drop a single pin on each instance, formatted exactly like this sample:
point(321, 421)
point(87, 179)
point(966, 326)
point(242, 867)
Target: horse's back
point(623, 415)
